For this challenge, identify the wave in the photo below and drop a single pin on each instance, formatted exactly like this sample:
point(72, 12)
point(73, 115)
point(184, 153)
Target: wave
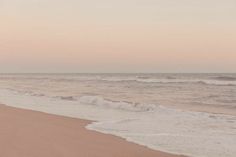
point(216, 83)
point(225, 78)
point(122, 105)
point(90, 100)
point(69, 98)
point(149, 77)
point(174, 81)
point(167, 79)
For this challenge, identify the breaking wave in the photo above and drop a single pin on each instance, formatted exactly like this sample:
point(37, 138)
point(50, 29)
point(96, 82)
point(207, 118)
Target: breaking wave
point(121, 105)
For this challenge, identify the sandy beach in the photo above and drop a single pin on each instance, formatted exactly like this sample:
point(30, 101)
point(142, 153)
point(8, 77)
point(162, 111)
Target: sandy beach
point(26, 133)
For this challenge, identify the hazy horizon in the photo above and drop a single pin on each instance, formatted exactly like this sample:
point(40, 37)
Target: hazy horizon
point(126, 36)
point(72, 73)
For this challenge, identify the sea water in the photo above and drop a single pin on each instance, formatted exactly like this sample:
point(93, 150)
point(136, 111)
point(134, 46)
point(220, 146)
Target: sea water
point(190, 114)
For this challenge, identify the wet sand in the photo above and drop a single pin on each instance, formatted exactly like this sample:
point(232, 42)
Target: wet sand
point(25, 133)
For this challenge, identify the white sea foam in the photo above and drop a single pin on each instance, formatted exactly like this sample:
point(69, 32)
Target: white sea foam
point(195, 134)
point(127, 106)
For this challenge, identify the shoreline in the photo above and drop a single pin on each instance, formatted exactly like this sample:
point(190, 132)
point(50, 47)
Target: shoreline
point(36, 134)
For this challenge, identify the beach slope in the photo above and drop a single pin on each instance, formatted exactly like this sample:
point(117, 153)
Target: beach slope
point(25, 133)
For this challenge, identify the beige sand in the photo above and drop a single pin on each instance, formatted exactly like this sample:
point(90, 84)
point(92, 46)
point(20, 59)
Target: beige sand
point(25, 133)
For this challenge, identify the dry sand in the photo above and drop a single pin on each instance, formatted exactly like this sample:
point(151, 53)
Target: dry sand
point(25, 133)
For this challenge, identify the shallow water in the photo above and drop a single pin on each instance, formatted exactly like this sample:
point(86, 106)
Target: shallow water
point(156, 110)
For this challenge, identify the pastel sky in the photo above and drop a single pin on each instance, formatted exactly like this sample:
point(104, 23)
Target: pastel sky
point(117, 36)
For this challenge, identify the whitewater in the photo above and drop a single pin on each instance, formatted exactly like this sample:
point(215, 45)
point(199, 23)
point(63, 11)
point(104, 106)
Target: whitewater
point(189, 114)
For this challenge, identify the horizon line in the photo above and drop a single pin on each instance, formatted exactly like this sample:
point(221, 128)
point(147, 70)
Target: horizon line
point(118, 73)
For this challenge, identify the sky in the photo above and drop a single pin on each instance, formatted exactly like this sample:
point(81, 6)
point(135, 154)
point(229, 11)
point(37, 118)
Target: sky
point(114, 36)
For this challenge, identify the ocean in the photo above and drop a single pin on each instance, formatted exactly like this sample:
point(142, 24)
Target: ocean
point(190, 114)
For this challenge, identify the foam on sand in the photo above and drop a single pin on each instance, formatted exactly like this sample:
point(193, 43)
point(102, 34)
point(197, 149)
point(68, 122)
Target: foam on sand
point(181, 132)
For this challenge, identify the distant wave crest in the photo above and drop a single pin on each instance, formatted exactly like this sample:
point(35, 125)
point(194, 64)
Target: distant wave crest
point(69, 98)
point(227, 82)
point(225, 78)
